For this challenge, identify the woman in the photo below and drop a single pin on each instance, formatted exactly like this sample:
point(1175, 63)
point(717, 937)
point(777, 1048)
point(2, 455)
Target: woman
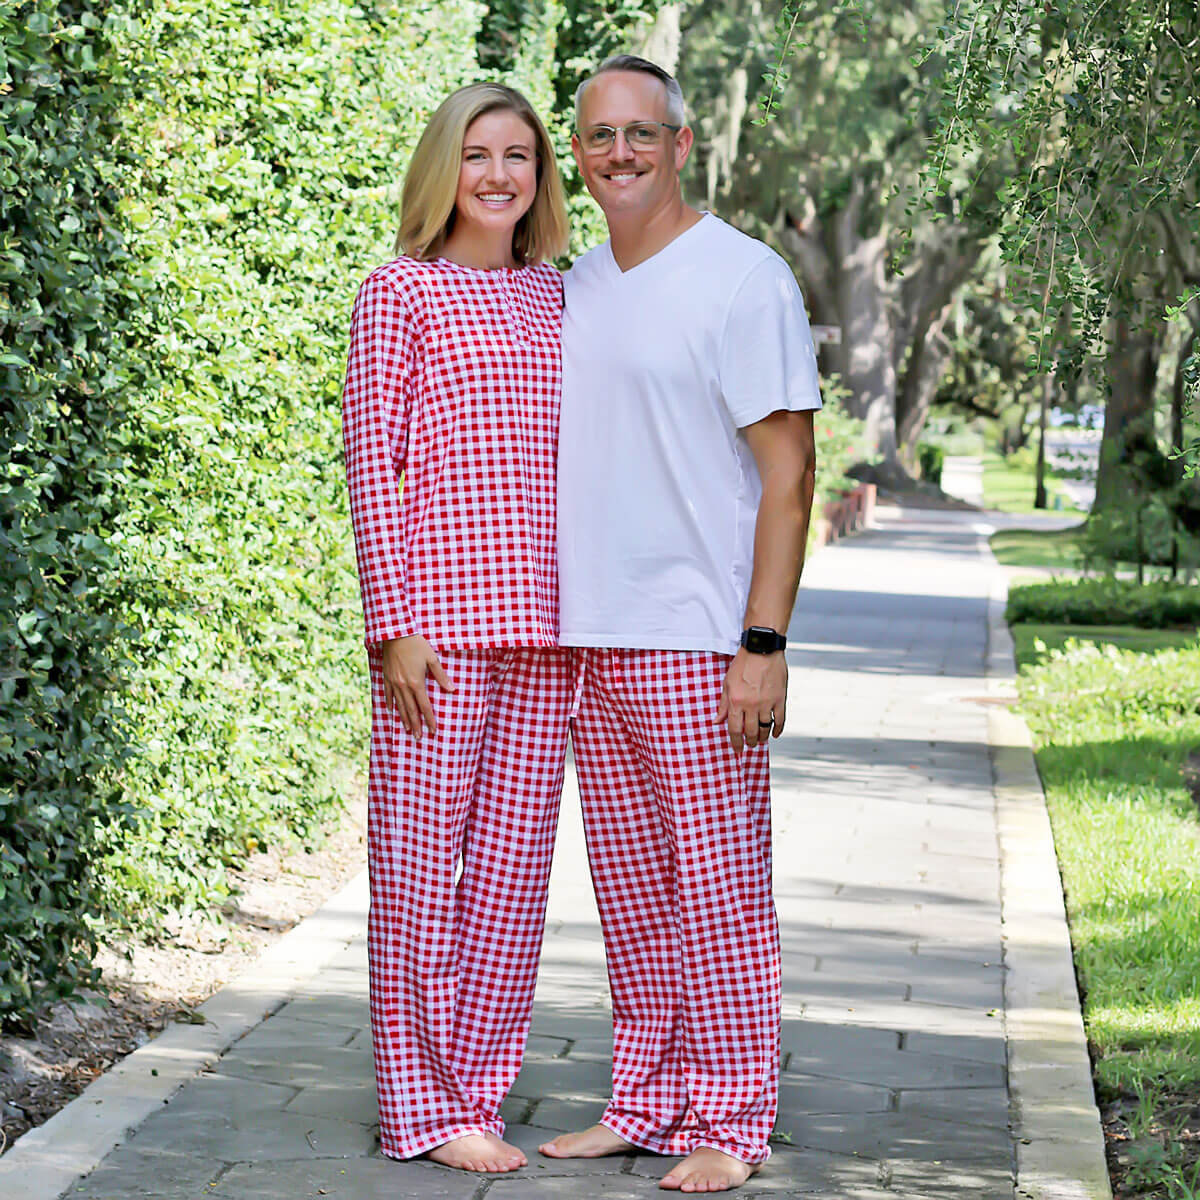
point(451, 396)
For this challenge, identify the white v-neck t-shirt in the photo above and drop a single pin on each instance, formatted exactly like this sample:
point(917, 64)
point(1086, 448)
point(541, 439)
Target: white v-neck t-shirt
point(658, 493)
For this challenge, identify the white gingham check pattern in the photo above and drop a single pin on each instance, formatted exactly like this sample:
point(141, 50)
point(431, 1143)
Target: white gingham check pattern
point(453, 964)
point(453, 381)
point(679, 838)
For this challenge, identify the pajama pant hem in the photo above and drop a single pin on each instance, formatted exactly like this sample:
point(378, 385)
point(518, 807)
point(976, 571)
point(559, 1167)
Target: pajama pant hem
point(640, 1133)
point(432, 1141)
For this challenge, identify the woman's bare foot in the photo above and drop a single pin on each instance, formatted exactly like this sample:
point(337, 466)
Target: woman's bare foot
point(476, 1152)
point(595, 1142)
point(708, 1170)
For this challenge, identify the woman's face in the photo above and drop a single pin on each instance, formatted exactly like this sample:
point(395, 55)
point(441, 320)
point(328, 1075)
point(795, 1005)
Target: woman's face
point(497, 181)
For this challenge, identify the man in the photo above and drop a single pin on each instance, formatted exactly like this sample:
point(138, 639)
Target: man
point(686, 468)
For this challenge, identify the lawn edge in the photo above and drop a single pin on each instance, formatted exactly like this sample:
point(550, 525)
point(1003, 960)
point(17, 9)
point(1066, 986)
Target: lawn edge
point(1058, 1138)
point(45, 1162)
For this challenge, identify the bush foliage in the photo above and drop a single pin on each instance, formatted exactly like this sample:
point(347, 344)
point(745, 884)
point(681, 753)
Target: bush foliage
point(841, 442)
point(63, 290)
point(191, 194)
point(1106, 601)
point(270, 142)
point(931, 459)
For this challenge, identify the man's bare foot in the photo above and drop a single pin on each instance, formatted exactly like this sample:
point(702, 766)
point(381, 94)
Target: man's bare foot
point(478, 1153)
point(708, 1170)
point(595, 1142)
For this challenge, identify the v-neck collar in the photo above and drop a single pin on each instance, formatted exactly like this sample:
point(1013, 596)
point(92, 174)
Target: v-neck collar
point(705, 217)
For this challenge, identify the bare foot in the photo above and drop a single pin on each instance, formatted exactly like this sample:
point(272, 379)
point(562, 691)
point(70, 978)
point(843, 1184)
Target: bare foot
point(708, 1170)
point(478, 1153)
point(595, 1142)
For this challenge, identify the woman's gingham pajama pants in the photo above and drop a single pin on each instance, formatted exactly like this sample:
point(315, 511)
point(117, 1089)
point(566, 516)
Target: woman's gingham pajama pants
point(460, 835)
point(679, 837)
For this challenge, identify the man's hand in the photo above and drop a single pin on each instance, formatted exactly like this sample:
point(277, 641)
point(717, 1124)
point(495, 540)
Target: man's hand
point(406, 662)
point(754, 697)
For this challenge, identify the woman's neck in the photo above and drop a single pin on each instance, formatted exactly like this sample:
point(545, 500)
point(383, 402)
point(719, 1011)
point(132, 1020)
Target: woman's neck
point(479, 249)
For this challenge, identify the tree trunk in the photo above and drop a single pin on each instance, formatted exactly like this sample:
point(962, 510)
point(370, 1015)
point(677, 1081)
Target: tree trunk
point(661, 39)
point(1131, 367)
point(1039, 492)
point(885, 325)
point(926, 299)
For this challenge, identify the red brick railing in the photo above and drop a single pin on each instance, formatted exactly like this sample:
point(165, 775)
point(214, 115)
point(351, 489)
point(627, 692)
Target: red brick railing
point(850, 511)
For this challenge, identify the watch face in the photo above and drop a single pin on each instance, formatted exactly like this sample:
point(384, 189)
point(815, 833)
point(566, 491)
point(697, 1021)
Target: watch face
point(759, 640)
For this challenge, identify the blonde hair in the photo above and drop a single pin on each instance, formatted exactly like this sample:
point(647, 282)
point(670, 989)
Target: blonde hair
point(427, 204)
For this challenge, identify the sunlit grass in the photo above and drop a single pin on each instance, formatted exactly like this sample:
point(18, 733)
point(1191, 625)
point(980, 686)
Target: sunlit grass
point(1125, 637)
point(1010, 485)
point(1054, 548)
point(1114, 728)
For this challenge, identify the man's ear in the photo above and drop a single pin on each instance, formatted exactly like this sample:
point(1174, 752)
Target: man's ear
point(577, 152)
point(683, 146)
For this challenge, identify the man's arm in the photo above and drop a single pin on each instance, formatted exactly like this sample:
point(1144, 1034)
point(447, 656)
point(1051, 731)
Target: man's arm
point(756, 684)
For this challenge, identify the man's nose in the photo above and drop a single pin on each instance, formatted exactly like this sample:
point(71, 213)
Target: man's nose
point(621, 149)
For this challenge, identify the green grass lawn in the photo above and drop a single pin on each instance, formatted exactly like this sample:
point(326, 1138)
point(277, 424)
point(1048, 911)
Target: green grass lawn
point(1125, 637)
point(1055, 548)
point(1009, 484)
point(1115, 718)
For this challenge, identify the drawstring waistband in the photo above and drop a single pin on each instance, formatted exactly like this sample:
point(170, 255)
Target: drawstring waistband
point(583, 657)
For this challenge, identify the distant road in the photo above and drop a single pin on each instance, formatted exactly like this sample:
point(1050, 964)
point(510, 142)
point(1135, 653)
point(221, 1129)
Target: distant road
point(1070, 450)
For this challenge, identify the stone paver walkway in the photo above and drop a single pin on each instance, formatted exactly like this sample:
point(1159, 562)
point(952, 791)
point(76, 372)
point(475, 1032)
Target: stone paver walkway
point(887, 884)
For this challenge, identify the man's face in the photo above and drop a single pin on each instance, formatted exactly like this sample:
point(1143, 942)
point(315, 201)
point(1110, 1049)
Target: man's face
point(623, 178)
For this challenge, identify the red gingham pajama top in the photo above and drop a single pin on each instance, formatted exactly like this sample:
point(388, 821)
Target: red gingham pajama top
point(450, 416)
point(453, 382)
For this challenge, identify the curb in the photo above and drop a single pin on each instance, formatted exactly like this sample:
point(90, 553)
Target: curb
point(1059, 1142)
point(46, 1161)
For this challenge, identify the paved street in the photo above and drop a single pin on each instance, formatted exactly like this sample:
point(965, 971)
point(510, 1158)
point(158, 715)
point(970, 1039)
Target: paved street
point(888, 894)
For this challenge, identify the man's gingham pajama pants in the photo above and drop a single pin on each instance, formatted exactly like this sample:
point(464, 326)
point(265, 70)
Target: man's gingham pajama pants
point(679, 837)
point(460, 835)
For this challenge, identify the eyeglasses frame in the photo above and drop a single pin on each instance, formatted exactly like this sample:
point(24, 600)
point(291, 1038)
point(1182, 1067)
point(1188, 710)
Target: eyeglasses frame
point(621, 130)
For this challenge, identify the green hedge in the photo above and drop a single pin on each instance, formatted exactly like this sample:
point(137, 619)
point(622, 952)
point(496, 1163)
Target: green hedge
point(1105, 602)
point(271, 140)
point(63, 282)
point(191, 194)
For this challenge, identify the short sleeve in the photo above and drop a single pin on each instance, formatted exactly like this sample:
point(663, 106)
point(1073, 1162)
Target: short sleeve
point(375, 414)
point(768, 361)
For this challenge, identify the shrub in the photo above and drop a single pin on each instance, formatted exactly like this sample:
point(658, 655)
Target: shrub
point(841, 442)
point(1085, 682)
point(271, 142)
point(1143, 529)
point(931, 459)
point(64, 299)
point(1105, 602)
point(190, 200)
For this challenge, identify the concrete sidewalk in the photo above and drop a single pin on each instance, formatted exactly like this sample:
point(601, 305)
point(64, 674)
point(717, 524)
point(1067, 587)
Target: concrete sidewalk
point(888, 885)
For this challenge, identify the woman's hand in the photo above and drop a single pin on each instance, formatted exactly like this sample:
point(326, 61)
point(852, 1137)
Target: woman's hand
point(406, 662)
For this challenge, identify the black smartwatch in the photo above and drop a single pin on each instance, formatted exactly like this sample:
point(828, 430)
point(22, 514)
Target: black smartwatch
point(758, 639)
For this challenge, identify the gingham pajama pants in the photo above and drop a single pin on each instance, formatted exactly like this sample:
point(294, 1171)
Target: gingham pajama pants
point(678, 830)
point(460, 835)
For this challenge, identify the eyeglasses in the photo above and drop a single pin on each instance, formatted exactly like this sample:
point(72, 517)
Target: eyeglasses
point(641, 135)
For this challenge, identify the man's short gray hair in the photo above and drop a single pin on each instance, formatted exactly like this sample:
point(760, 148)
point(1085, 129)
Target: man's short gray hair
point(676, 109)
